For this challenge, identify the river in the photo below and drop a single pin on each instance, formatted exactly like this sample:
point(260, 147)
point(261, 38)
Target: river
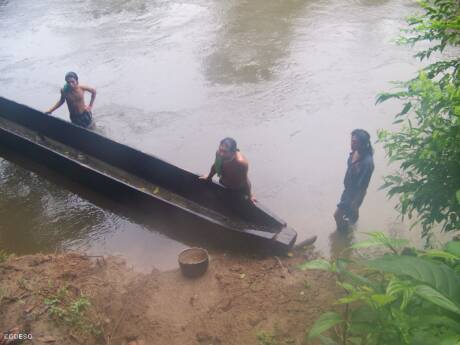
point(288, 79)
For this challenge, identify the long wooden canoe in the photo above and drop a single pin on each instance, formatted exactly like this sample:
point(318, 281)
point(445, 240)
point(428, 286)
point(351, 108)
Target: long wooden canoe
point(148, 182)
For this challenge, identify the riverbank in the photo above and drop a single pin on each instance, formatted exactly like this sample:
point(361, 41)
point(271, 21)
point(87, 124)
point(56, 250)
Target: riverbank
point(243, 299)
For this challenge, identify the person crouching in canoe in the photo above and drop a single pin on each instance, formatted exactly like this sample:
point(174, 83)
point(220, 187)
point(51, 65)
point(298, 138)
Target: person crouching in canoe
point(73, 94)
point(232, 168)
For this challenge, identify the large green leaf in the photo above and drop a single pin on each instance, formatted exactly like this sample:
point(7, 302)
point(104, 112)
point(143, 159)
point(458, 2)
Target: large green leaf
point(433, 296)
point(327, 341)
point(429, 338)
point(355, 341)
point(450, 339)
point(357, 296)
point(441, 254)
point(362, 314)
point(397, 287)
point(366, 244)
point(436, 274)
point(453, 247)
point(325, 322)
point(318, 264)
point(379, 239)
point(360, 280)
point(429, 320)
point(382, 299)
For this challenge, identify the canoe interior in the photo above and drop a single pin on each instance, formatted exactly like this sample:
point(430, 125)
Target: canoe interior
point(140, 170)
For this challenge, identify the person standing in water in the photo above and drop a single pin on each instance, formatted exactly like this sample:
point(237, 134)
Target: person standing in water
point(359, 171)
point(232, 168)
point(73, 94)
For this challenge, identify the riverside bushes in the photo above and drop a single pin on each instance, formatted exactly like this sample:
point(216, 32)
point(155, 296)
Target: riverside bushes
point(406, 296)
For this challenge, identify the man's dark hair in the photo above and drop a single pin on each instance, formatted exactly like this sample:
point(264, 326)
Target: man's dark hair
point(230, 143)
point(364, 139)
point(71, 75)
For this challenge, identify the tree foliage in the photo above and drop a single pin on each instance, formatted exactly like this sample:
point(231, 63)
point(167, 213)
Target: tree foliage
point(427, 144)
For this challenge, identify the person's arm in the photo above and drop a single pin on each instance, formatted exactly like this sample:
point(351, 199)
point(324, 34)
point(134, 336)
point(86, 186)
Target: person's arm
point(365, 175)
point(247, 189)
point(92, 91)
point(211, 174)
point(57, 105)
point(362, 181)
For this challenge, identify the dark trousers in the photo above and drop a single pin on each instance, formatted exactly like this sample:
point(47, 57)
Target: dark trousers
point(83, 119)
point(350, 202)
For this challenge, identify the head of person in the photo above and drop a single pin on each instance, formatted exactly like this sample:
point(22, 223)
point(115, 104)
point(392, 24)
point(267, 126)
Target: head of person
point(71, 79)
point(361, 142)
point(227, 148)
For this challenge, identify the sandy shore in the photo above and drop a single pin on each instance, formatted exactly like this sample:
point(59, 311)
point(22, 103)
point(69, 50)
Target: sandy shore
point(242, 299)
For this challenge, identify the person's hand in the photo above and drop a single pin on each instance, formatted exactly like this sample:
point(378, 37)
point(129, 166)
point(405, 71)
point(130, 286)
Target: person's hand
point(251, 198)
point(204, 178)
point(89, 108)
point(48, 112)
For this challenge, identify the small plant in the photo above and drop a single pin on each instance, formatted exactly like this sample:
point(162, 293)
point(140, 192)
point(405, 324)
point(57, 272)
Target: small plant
point(402, 297)
point(72, 312)
point(265, 338)
point(4, 255)
point(22, 283)
point(62, 292)
point(55, 310)
point(272, 338)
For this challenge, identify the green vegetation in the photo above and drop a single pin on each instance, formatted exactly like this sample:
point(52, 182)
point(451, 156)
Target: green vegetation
point(427, 144)
point(273, 338)
point(409, 296)
point(4, 255)
point(406, 296)
point(265, 338)
point(71, 311)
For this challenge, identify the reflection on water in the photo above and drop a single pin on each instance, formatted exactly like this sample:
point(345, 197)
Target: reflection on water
point(71, 216)
point(43, 213)
point(288, 79)
point(340, 241)
point(252, 39)
point(35, 213)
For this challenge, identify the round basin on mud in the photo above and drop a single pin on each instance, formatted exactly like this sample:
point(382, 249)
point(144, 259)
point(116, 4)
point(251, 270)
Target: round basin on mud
point(194, 262)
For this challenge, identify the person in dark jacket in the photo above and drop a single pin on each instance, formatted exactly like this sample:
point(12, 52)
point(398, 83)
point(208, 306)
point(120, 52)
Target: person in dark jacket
point(360, 166)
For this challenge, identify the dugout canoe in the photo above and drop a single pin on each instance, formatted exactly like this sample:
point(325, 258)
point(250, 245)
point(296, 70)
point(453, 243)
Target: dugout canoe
point(147, 182)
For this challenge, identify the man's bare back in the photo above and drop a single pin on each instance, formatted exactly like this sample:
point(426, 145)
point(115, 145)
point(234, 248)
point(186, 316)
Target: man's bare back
point(235, 172)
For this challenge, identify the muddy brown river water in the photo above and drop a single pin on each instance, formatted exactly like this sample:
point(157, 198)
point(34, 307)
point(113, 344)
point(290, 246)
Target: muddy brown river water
point(289, 79)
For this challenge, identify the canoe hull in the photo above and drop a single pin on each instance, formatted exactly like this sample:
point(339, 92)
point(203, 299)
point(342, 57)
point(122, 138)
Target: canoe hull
point(279, 237)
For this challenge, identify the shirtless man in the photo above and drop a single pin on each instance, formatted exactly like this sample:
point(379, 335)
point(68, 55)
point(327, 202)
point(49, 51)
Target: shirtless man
point(73, 94)
point(232, 168)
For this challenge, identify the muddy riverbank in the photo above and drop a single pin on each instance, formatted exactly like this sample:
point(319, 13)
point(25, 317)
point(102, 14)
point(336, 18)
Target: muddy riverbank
point(76, 299)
